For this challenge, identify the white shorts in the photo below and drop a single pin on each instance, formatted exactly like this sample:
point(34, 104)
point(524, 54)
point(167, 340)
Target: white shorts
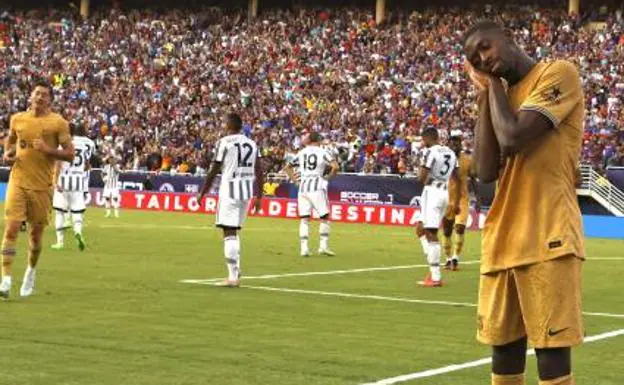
point(111, 193)
point(433, 204)
point(316, 200)
point(231, 213)
point(69, 201)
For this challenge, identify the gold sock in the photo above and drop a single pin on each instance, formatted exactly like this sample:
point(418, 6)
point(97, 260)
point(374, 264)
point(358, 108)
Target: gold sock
point(33, 256)
point(458, 245)
point(8, 254)
point(510, 379)
point(565, 380)
point(446, 246)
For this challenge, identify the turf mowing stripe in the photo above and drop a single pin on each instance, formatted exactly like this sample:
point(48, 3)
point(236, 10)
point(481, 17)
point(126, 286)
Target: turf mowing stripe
point(328, 272)
point(472, 364)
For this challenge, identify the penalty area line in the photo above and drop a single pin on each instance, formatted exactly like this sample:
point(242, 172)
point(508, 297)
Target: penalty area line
point(312, 273)
point(476, 363)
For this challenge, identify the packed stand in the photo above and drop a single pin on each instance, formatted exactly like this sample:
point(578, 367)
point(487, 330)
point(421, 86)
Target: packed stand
point(151, 88)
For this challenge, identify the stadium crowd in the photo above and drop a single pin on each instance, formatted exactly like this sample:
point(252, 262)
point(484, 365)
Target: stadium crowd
point(152, 87)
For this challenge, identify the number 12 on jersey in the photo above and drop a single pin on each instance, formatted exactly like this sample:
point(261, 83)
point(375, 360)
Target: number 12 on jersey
point(244, 160)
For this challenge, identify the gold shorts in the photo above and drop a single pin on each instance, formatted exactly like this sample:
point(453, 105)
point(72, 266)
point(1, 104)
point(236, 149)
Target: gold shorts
point(541, 301)
point(464, 211)
point(32, 206)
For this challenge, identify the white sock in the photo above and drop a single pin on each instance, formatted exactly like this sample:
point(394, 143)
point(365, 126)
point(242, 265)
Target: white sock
point(425, 244)
point(29, 270)
point(6, 280)
point(324, 235)
point(304, 234)
point(60, 223)
point(231, 249)
point(433, 257)
point(77, 219)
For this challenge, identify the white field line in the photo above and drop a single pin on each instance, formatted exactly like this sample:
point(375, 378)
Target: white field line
point(372, 297)
point(360, 296)
point(472, 364)
point(312, 273)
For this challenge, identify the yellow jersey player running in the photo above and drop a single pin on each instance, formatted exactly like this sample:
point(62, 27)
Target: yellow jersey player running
point(456, 216)
point(532, 247)
point(37, 134)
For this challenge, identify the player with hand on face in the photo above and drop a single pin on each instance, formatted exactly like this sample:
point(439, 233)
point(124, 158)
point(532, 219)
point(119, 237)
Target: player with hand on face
point(438, 168)
point(238, 160)
point(532, 247)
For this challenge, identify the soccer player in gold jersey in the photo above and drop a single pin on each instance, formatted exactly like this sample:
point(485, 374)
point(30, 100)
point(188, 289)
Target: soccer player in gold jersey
point(456, 216)
point(40, 138)
point(528, 139)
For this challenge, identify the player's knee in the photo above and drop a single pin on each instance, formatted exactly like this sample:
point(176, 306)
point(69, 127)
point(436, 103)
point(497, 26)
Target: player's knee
point(447, 229)
point(460, 229)
point(35, 234)
point(11, 231)
point(305, 220)
point(553, 363)
point(510, 358)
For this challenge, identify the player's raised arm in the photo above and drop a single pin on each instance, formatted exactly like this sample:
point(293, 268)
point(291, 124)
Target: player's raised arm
point(556, 94)
point(487, 150)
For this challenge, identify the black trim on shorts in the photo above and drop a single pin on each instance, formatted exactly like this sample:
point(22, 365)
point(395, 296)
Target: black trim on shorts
point(224, 227)
point(304, 216)
point(61, 210)
point(324, 217)
point(78, 211)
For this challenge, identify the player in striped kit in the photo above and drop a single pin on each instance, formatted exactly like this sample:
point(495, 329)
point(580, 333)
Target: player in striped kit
point(440, 165)
point(237, 159)
point(69, 193)
point(312, 162)
point(110, 175)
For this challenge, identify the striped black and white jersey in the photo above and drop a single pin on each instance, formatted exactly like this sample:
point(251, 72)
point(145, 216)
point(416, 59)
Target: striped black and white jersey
point(312, 162)
point(110, 175)
point(72, 176)
point(238, 156)
point(441, 161)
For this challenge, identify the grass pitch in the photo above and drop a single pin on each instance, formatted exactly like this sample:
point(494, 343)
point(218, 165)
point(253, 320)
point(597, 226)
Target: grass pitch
point(118, 313)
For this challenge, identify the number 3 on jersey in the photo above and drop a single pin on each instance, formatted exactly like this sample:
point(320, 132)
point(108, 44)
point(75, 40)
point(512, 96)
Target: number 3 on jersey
point(78, 158)
point(447, 165)
point(244, 160)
